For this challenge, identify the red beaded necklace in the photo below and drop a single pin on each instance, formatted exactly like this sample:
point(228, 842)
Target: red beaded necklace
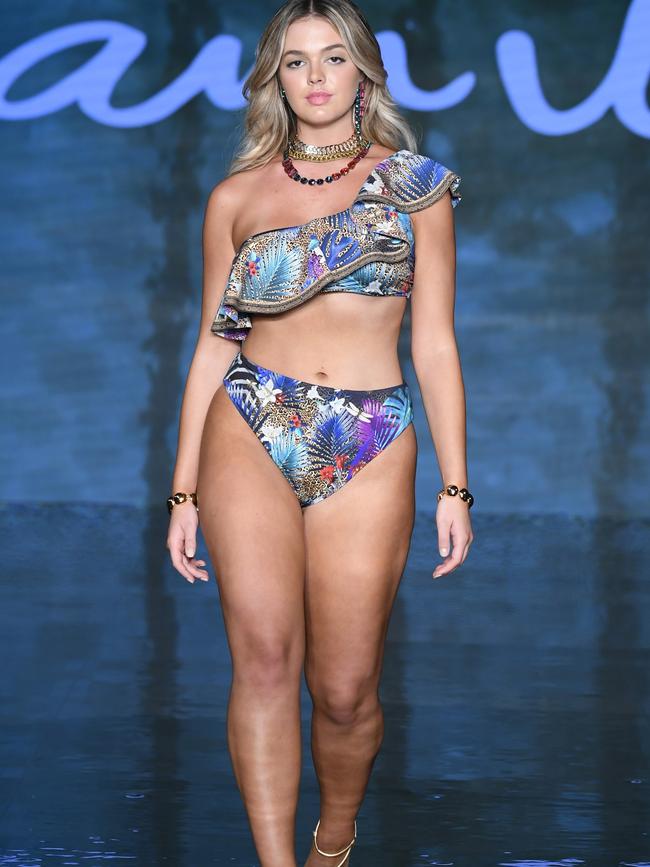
point(295, 175)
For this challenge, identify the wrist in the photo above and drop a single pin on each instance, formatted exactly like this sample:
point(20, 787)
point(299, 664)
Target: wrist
point(451, 476)
point(187, 484)
point(179, 497)
point(454, 490)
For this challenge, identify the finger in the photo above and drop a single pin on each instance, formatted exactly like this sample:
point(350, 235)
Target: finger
point(466, 550)
point(455, 560)
point(194, 569)
point(452, 562)
point(177, 560)
point(440, 568)
point(185, 547)
point(443, 539)
point(461, 544)
point(444, 568)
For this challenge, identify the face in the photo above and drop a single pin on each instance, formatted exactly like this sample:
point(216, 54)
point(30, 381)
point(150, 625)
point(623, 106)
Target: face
point(317, 73)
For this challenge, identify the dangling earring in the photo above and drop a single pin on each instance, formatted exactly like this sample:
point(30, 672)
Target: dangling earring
point(359, 108)
point(282, 93)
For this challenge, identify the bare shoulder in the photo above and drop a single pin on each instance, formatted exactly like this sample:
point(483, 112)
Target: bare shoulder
point(226, 196)
point(233, 190)
point(230, 197)
point(376, 153)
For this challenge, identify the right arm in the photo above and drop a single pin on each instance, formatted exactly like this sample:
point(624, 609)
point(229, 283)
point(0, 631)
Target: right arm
point(212, 355)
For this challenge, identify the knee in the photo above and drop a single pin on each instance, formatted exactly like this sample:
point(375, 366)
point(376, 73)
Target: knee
point(267, 664)
point(346, 703)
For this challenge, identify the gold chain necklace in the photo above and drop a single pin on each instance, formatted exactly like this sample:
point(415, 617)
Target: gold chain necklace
point(295, 175)
point(300, 150)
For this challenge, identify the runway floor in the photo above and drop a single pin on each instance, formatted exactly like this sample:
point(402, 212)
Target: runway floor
point(515, 694)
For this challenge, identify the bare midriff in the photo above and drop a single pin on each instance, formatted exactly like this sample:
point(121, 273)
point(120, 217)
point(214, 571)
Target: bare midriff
point(338, 339)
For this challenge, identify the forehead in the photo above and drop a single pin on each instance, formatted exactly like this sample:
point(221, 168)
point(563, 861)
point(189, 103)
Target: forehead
point(313, 33)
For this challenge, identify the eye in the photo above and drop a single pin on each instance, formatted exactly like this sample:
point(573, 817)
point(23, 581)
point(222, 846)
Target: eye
point(337, 57)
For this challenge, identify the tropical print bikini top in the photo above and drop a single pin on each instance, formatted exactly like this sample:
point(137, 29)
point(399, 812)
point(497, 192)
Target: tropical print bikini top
point(367, 248)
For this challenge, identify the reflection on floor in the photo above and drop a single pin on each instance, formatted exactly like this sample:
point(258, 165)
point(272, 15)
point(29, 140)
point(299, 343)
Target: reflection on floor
point(515, 694)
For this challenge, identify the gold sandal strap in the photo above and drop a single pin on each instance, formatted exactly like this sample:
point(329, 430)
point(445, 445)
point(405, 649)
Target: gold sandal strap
point(345, 849)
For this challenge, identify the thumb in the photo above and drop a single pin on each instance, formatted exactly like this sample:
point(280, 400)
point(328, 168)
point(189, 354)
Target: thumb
point(190, 547)
point(443, 542)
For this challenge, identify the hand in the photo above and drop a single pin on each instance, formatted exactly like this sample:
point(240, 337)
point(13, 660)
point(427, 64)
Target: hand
point(181, 541)
point(453, 522)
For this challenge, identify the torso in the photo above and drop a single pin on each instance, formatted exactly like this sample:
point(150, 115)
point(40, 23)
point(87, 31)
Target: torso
point(340, 339)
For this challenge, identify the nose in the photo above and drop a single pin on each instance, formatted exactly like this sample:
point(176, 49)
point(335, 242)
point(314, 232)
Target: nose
point(315, 75)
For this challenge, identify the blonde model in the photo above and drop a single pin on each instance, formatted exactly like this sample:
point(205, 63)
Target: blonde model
point(296, 440)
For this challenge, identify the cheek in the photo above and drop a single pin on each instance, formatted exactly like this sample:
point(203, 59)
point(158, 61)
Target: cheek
point(346, 77)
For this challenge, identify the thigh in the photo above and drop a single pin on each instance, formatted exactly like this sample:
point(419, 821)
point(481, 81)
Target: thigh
point(253, 528)
point(357, 542)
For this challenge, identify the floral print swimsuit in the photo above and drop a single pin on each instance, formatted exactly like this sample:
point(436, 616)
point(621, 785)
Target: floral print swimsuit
point(321, 436)
point(318, 436)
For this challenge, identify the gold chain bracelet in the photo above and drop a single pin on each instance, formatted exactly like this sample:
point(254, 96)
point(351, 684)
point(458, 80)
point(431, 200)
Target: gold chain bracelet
point(453, 490)
point(178, 498)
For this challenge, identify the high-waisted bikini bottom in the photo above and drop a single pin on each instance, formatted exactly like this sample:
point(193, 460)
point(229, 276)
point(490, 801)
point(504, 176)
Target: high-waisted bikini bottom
point(317, 435)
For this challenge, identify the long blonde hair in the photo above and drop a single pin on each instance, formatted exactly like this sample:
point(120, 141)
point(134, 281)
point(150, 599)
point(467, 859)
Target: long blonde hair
point(269, 123)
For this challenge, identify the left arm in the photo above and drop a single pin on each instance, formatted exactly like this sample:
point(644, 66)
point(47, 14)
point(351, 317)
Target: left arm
point(437, 367)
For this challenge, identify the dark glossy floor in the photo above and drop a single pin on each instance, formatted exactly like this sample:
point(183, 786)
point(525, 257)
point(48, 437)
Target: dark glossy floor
point(515, 693)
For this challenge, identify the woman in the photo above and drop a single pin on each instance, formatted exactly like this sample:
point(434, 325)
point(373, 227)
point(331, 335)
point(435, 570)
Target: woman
point(303, 463)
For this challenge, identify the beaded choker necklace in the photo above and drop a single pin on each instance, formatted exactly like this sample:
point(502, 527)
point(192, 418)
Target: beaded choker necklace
point(295, 175)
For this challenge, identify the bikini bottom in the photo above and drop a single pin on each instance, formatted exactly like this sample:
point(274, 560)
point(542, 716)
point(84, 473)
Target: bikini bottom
point(317, 435)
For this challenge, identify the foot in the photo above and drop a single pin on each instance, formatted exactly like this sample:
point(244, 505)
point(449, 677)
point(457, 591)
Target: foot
point(331, 841)
point(316, 860)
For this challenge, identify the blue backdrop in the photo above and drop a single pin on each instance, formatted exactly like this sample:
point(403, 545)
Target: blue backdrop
point(117, 118)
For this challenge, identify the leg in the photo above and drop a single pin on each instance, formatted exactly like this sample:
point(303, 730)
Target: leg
point(357, 542)
point(253, 527)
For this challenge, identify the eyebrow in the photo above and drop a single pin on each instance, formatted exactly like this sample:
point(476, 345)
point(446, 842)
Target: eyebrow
point(327, 48)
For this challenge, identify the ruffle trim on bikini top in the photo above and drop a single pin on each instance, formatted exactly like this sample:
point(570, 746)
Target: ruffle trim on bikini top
point(278, 269)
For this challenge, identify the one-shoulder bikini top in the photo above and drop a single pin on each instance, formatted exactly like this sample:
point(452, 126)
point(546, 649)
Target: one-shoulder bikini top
point(367, 248)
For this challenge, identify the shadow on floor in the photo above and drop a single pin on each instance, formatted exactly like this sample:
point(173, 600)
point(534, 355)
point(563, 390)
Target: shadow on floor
point(515, 694)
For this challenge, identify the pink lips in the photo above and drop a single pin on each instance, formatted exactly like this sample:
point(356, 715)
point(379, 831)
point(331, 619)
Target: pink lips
point(318, 97)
